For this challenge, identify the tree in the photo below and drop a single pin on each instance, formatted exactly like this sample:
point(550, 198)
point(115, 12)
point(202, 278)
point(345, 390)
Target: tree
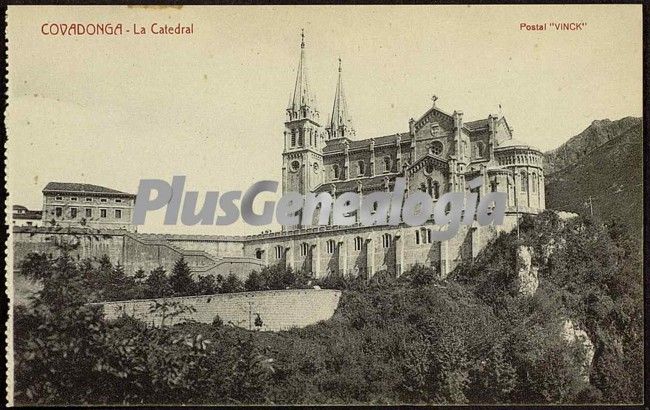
point(249, 380)
point(157, 284)
point(180, 280)
point(255, 281)
point(206, 285)
point(232, 284)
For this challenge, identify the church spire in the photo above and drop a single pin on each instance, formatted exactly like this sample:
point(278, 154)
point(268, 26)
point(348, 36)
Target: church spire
point(303, 103)
point(340, 124)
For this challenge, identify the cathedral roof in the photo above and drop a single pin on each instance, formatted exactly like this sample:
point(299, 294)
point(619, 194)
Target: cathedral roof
point(478, 124)
point(339, 145)
point(514, 143)
point(373, 183)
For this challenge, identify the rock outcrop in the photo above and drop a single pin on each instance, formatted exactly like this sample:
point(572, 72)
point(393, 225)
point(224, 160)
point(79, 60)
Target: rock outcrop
point(527, 279)
point(573, 334)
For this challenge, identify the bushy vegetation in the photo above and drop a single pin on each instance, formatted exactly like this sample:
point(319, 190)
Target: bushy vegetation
point(414, 339)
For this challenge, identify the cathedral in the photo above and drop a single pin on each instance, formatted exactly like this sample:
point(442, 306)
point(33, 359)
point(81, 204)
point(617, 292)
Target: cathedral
point(439, 153)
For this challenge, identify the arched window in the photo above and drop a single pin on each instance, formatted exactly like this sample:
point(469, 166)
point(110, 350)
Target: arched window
point(423, 187)
point(361, 167)
point(386, 240)
point(335, 171)
point(387, 164)
point(534, 187)
point(293, 138)
point(301, 137)
point(304, 249)
point(436, 189)
point(279, 250)
point(330, 246)
point(423, 236)
point(358, 243)
point(524, 181)
point(480, 148)
point(259, 253)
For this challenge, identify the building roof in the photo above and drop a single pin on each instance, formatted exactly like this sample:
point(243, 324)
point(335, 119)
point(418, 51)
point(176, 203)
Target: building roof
point(339, 145)
point(78, 188)
point(372, 183)
point(28, 215)
point(474, 125)
point(513, 142)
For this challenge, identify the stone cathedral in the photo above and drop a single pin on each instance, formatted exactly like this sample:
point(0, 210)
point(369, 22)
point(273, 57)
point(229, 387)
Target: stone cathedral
point(438, 152)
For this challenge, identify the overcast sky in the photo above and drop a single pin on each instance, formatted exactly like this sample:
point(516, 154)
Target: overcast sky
point(110, 110)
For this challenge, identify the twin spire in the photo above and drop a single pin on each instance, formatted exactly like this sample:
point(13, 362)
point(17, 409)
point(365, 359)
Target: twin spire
point(303, 102)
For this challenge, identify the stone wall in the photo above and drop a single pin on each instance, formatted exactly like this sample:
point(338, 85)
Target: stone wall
point(277, 309)
point(352, 250)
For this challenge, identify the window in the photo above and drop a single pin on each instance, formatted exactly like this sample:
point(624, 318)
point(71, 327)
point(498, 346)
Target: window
point(118, 201)
point(301, 137)
point(387, 164)
point(102, 213)
point(89, 199)
point(358, 243)
point(103, 200)
point(386, 240)
point(58, 198)
point(524, 181)
point(422, 236)
point(259, 253)
point(436, 147)
point(73, 198)
point(304, 249)
point(293, 138)
point(295, 165)
point(423, 187)
point(534, 187)
point(73, 212)
point(436, 190)
point(335, 171)
point(480, 148)
point(58, 211)
point(361, 168)
point(89, 212)
point(278, 252)
point(330, 246)
point(118, 214)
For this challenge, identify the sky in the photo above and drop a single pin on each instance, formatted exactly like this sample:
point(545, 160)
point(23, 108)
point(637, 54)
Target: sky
point(110, 110)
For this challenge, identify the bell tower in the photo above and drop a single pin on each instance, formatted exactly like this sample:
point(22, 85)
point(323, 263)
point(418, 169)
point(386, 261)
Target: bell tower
point(304, 137)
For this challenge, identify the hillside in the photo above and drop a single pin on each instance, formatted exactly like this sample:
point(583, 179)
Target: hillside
point(482, 335)
point(604, 162)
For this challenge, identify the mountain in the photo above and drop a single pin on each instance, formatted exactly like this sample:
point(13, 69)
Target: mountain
point(604, 163)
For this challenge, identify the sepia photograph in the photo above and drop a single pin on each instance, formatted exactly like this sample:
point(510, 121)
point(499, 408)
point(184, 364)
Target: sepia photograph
point(324, 205)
